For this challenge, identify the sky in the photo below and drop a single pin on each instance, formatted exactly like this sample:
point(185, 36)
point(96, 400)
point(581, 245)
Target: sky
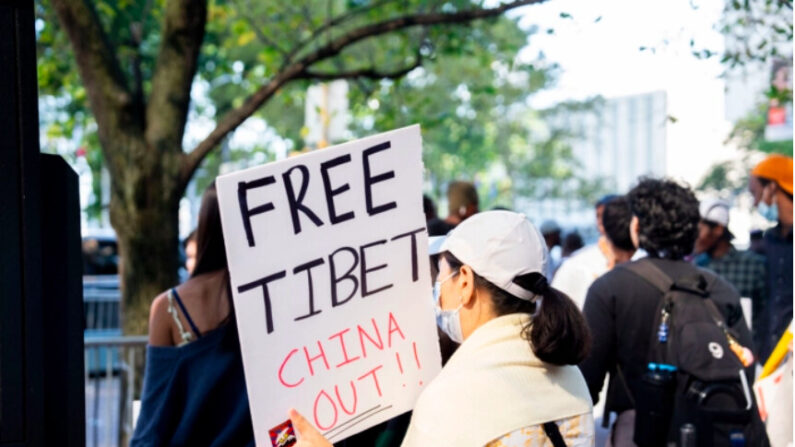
point(604, 58)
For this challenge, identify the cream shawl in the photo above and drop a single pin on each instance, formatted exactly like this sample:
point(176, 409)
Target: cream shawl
point(491, 386)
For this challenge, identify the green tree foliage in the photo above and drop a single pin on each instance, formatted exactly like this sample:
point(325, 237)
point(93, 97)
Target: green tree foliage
point(140, 62)
point(756, 31)
point(472, 104)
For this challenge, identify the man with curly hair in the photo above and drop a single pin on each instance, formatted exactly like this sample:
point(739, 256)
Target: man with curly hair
point(621, 307)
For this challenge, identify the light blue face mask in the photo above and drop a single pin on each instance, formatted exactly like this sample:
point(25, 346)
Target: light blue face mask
point(448, 321)
point(769, 212)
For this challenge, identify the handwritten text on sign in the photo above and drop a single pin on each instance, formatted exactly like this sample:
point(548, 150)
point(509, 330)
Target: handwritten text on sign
point(331, 285)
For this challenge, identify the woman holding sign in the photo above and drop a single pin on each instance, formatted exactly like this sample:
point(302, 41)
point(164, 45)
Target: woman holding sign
point(513, 380)
point(194, 391)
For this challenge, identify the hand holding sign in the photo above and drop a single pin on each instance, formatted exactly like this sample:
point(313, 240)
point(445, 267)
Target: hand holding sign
point(308, 436)
point(330, 280)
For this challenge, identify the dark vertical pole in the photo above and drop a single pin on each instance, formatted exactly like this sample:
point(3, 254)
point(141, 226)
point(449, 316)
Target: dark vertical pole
point(21, 341)
point(41, 344)
point(62, 299)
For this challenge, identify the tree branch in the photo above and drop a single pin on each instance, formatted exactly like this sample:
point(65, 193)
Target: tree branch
point(111, 101)
point(370, 73)
point(297, 69)
point(257, 26)
point(342, 18)
point(264, 37)
point(166, 114)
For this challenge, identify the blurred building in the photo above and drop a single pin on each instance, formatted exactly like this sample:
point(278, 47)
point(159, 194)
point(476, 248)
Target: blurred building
point(615, 142)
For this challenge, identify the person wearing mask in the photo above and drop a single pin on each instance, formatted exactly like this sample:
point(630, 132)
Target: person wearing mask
point(621, 306)
point(194, 389)
point(745, 270)
point(581, 269)
point(512, 381)
point(771, 186)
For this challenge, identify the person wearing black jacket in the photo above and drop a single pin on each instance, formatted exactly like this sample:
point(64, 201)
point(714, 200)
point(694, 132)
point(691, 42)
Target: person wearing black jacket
point(620, 306)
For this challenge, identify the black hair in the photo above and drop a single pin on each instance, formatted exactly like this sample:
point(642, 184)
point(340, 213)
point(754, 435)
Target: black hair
point(211, 255)
point(572, 242)
point(210, 248)
point(604, 199)
point(668, 216)
point(616, 219)
point(557, 333)
point(428, 207)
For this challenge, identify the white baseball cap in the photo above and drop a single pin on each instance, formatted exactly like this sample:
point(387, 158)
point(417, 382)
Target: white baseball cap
point(499, 246)
point(716, 211)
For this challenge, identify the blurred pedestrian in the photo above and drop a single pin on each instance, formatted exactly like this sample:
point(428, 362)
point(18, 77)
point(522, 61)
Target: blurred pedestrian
point(551, 232)
point(576, 273)
point(771, 186)
point(571, 243)
point(492, 296)
point(462, 202)
point(745, 270)
point(615, 221)
point(621, 308)
point(194, 389)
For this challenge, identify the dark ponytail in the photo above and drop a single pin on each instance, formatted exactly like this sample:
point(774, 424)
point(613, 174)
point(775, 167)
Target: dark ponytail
point(557, 332)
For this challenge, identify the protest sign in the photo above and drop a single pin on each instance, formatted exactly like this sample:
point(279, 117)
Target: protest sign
point(330, 279)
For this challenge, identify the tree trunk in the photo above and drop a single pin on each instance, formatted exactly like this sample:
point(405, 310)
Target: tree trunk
point(144, 210)
point(148, 246)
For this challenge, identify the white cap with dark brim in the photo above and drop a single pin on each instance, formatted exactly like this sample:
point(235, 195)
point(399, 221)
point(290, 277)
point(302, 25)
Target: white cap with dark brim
point(499, 246)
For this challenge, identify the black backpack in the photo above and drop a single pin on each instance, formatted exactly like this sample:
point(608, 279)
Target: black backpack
point(695, 385)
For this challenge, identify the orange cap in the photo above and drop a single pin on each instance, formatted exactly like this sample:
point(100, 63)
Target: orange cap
point(777, 168)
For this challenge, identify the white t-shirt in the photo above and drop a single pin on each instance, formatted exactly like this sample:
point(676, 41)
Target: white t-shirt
point(579, 271)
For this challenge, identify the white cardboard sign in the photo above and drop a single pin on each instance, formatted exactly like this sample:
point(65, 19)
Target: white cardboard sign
point(331, 284)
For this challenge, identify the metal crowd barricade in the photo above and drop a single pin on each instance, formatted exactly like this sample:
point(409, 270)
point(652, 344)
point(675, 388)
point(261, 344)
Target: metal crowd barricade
point(112, 365)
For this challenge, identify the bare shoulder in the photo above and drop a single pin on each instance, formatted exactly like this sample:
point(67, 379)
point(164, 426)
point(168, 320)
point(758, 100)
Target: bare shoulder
point(160, 322)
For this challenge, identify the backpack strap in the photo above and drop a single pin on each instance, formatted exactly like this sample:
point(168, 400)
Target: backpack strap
point(657, 278)
point(651, 274)
point(700, 282)
point(553, 433)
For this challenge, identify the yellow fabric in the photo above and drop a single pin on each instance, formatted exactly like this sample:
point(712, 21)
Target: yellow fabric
point(777, 168)
point(491, 386)
point(783, 347)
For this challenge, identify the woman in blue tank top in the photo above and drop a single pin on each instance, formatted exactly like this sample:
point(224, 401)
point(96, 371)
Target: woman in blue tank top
point(194, 389)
